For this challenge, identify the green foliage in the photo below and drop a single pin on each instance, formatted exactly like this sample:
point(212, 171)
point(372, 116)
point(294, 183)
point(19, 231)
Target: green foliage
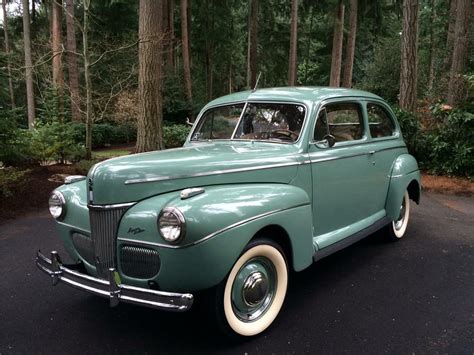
point(14, 142)
point(83, 167)
point(175, 135)
point(11, 180)
point(382, 71)
point(105, 134)
point(450, 146)
point(55, 141)
point(410, 127)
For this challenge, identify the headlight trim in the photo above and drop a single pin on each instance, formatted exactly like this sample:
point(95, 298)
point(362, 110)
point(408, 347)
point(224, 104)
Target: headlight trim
point(61, 204)
point(180, 218)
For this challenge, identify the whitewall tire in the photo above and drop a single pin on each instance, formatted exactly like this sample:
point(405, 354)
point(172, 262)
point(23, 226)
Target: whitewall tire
point(397, 228)
point(255, 289)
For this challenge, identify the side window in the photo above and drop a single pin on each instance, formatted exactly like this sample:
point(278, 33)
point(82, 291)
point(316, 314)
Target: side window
point(321, 130)
point(380, 123)
point(345, 121)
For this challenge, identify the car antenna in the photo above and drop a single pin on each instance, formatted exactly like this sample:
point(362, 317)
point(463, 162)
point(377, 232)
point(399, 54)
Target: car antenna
point(256, 82)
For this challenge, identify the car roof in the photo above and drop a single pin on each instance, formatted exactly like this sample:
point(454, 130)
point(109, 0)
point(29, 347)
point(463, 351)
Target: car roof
point(295, 93)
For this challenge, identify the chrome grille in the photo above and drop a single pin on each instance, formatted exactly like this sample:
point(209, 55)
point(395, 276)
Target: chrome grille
point(104, 225)
point(142, 263)
point(84, 247)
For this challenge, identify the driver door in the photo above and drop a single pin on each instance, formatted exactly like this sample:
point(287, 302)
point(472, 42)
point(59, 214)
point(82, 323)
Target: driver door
point(340, 165)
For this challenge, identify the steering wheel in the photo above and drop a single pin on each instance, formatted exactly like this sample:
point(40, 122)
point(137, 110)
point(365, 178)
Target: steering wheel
point(285, 133)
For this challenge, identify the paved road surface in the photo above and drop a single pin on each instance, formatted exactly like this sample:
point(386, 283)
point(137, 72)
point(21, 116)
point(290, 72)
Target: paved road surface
point(414, 296)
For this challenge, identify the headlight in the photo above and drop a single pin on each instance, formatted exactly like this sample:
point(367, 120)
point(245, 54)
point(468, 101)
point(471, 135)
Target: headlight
point(171, 224)
point(57, 205)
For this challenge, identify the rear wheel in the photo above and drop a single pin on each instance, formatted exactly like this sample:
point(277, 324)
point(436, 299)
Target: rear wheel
point(251, 297)
point(397, 229)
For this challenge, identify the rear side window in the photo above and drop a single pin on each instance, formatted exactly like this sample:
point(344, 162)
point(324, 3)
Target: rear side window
point(345, 121)
point(380, 123)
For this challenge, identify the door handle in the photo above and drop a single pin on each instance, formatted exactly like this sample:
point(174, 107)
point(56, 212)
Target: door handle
point(371, 152)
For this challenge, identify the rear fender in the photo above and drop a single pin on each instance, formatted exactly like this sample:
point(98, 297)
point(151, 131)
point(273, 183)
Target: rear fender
point(405, 176)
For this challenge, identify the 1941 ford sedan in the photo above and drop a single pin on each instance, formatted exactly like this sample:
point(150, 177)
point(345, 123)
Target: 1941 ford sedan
point(267, 182)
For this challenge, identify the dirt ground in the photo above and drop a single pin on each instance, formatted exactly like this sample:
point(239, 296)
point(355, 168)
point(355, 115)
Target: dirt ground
point(447, 185)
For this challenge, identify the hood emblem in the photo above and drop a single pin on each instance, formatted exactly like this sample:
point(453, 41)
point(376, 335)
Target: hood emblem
point(135, 230)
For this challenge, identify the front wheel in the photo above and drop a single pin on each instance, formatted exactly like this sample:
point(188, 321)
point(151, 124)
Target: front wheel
point(397, 229)
point(253, 294)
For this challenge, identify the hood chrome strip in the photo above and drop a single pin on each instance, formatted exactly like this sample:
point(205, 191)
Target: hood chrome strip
point(215, 172)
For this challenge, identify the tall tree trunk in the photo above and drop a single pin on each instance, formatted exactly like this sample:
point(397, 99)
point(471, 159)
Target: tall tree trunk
point(150, 117)
point(450, 34)
point(171, 59)
point(293, 44)
point(30, 94)
point(88, 81)
point(336, 57)
point(72, 61)
point(33, 12)
point(457, 83)
point(58, 77)
point(350, 46)
point(252, 46)
point(409, 55)
point(186, 59)
point(7, 51)
point(432, 54)
point(209, 49)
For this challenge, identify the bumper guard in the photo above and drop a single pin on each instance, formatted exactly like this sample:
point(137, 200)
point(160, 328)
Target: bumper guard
point(112, 288)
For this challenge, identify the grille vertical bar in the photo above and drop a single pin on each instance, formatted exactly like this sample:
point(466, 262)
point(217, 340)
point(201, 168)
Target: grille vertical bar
point(104, 225)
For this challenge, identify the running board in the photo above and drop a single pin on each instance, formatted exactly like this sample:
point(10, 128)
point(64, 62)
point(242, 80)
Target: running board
point(322, 253)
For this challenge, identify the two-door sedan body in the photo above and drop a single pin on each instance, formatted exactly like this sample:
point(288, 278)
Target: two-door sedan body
point(267, 182)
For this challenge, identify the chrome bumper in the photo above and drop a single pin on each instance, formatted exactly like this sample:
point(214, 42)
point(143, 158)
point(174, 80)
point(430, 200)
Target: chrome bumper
point(112, 288)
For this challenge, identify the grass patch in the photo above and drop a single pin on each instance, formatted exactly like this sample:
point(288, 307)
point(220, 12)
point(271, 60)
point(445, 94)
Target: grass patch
point(110, 153)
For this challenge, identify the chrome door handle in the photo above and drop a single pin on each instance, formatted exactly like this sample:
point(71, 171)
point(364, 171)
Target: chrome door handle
point(371, 152)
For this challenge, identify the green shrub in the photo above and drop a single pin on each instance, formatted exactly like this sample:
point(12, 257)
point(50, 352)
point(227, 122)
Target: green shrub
point(54, 142)
point(104, 134)
point(83, 167)
point(11, 180)
point(450, 146)
point(410, 128)
point(15, 147)
point(175, 135)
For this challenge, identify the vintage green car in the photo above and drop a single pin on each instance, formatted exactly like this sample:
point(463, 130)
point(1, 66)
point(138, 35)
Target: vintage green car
point(268, 182)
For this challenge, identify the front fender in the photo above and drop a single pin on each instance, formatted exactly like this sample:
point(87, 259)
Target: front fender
point(405, 173)
point(220, 222)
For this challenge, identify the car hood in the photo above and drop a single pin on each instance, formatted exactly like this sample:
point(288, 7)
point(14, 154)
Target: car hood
point(135, 177)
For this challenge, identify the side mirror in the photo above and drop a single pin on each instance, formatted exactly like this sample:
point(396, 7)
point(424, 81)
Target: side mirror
point(330, 139)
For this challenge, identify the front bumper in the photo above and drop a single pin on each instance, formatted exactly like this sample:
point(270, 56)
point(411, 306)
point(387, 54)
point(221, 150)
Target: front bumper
point(112, 288)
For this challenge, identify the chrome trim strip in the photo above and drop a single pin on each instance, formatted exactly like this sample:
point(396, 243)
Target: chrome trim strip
point(371, 152)
point(210, 173)
point(110, 207)
point(212, 235)
point(112, 288)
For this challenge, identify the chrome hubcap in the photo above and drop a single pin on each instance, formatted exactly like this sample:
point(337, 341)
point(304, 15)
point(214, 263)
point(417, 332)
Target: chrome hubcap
point(401, 218)
point(254, 289)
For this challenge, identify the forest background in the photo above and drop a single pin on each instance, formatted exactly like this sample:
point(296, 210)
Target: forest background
point(79, 75)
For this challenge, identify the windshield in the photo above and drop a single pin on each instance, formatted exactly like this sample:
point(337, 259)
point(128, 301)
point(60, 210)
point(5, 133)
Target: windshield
point(260, 121)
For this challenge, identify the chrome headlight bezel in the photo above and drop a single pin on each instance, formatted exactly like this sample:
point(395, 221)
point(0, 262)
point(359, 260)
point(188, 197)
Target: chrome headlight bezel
point(57, 200)
point(180, 222)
